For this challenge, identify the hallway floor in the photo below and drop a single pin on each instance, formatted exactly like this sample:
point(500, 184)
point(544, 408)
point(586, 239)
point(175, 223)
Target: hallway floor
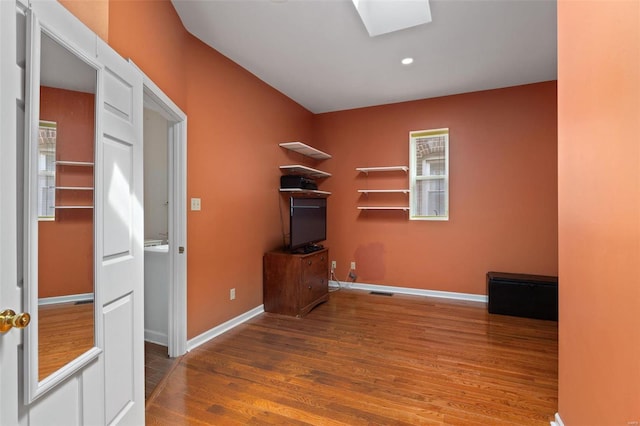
point(156, 365)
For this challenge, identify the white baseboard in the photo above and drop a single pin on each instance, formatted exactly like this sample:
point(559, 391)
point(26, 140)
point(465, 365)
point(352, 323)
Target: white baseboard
point(224, 327)
point(161, 339)
point(411, 291)
point(557, 421)
point(70, 298)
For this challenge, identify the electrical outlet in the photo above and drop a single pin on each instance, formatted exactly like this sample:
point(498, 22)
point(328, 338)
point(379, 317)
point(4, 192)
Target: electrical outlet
point(195, 204)
point(232, 294)
point(353, 265)
point(333, 265)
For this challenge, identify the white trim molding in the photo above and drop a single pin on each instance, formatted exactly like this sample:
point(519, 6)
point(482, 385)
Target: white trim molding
point(557, 421)
point(156, 337)
point(410, 291)
point(223, 328)
point(156, 100)
point(69, 298)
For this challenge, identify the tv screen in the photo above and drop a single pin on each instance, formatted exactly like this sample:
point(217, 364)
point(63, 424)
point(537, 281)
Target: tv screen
point(308, 224)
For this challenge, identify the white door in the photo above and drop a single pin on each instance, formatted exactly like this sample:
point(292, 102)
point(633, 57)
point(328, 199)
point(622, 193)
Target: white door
point(107, 387)
point(121, 234)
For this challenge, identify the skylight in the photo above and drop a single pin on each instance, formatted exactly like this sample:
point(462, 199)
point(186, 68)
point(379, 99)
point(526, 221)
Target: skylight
point(385, 16)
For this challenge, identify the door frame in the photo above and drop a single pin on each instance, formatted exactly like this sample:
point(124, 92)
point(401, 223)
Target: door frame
point(11, 292)
point(156, 100)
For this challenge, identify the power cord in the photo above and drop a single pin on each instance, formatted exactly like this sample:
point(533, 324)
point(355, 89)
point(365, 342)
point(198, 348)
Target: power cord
point(332, 277)
point(351, 275)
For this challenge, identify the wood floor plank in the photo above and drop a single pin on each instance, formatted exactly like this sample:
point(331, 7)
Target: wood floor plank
point(65, 331)
point(362, 359)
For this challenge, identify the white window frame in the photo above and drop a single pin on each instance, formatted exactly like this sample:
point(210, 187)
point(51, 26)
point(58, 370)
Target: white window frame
point(419, 209)
point(47, 130)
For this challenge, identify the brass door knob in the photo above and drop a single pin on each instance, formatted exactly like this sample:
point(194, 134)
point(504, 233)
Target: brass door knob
point(9, 319)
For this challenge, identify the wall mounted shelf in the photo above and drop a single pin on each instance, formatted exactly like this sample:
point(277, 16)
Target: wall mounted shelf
point(405, 208)
point(300, 191)
point(305, 150)
point(297, 169)
point(305, 171)
point(72, 207)
point(383, 191)
point(368, 170)
point(74, 163)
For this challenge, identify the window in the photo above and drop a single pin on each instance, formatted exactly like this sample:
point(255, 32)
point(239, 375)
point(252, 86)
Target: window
point(47, 170)
point(429, 165)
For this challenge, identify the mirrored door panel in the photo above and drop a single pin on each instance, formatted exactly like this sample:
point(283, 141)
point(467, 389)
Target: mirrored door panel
point(65, 207)
point(60, 192)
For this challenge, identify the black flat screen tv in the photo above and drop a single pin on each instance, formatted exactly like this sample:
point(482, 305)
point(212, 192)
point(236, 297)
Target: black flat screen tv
point(308, 223)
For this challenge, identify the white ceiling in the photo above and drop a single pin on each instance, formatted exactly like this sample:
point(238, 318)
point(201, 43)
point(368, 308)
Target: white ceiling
point(319, 53)
point(62, 69)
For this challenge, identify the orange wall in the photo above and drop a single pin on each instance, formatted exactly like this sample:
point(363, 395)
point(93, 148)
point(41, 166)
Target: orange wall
point(65, 246)
point(235, 122)
point(235, 125)
point(503, 190)
point(152, 35)
point(503, 149)
point(94, 14)
point(599, 211)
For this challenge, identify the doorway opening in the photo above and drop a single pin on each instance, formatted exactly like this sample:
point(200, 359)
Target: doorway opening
point(165, 230)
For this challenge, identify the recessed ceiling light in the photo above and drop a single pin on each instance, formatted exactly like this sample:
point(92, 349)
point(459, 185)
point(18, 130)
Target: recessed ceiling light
point(407, 61)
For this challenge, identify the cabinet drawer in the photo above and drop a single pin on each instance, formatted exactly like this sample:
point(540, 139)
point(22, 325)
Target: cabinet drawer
point(312, 289)
point(314, 284)
point(315, 266)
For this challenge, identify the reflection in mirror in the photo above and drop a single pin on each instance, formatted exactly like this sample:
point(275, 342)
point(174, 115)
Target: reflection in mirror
point(65, 207)
point(46, 170)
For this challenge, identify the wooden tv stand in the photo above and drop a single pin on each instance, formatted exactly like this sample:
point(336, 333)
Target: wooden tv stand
point(293, 284)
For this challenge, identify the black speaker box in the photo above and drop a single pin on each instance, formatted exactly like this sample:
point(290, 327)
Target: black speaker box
point(295, 181)
point(523, 295)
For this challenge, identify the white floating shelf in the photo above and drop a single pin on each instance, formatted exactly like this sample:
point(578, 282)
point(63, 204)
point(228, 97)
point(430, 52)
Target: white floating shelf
point(306, 150)
point(73, 207)
point(383, 191)
point(298, 169)
point(76, 188)
point(305, 191)
point(383, 208)
point(383, 169)
point(74, 163)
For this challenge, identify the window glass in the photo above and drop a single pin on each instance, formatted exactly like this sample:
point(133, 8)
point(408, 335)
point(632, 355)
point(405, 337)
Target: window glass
point(429, 165)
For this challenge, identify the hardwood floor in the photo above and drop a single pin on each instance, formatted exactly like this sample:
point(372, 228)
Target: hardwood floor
point(363, 359)
point(157, 365)
point(65, 331)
